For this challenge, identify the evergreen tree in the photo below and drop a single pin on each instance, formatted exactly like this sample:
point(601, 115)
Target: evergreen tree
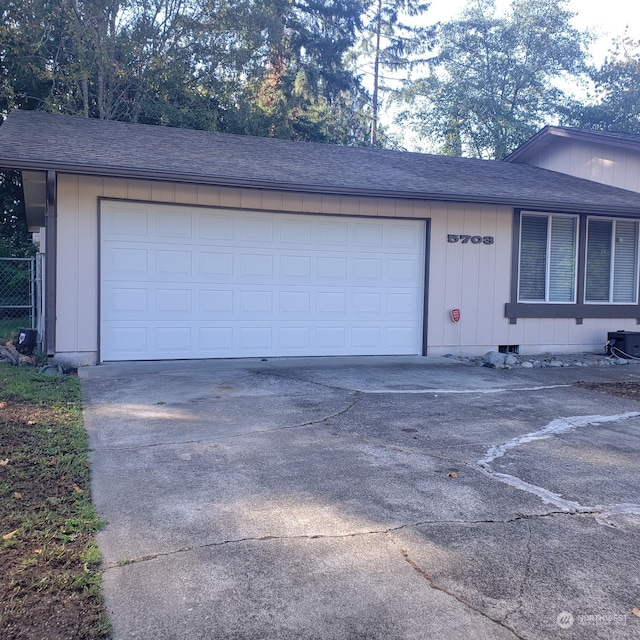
point(391, 40)
point(308, 91)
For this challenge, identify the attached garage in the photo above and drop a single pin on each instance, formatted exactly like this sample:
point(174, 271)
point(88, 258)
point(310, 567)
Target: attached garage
point(162, 243)
point(197, 282)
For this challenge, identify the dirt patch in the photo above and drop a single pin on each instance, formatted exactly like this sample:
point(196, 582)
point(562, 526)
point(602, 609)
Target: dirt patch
point(49, 565)
point(629, 390)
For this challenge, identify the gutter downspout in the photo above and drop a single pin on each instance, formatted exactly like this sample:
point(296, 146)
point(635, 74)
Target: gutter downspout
point(51, 231)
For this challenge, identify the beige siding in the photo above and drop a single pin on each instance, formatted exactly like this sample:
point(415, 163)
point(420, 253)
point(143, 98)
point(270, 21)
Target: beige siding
point(597, 162)
point(564, 335)
point(68, 300)
point(78, 278)
point(474, 278)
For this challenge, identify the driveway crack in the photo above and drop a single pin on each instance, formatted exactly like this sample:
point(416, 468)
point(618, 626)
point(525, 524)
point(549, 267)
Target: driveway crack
point(322, 536)
point(552, 429)
point(525, 575)
point(236, 436)
point(324, 385)
point(433, 585)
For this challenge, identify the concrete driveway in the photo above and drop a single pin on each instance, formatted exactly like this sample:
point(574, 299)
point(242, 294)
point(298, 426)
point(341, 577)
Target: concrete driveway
point(369, 498)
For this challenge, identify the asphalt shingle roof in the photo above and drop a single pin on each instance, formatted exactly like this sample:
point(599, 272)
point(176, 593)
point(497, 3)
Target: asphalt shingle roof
point(38, 140)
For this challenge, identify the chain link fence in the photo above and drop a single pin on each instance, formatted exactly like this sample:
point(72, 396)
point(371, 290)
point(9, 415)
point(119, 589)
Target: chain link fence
point(19, 295)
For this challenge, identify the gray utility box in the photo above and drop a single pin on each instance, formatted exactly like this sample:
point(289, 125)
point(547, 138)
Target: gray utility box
point(621, 343)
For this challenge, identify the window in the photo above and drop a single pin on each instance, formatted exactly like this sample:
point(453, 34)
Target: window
point(548, 246)
point(574, 266)
point(612, 261)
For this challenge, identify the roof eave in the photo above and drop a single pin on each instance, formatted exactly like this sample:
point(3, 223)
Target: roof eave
point(219, 181)
point(546, 134)
point(523, 150)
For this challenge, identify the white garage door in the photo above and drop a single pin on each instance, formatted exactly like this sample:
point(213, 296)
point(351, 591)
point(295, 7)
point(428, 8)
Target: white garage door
point(188, 282)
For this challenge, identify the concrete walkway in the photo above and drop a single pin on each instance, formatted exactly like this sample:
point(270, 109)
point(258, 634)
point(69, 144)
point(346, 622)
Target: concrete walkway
point(368, 498)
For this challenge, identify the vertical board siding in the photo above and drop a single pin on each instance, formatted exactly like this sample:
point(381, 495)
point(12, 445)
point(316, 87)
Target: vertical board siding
point(592, 161)
point(87, 319)
point(292, 202)
point(78, 251)
point(487, 272)
point(139, 190)
point(564, 335)
point(473, 277)
point(163, 191)
point(68, 267)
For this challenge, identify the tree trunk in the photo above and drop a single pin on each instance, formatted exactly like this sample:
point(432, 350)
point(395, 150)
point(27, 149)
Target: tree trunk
point(376, 79)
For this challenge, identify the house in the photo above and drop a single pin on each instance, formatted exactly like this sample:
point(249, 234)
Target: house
point(164, 243)
point(607, 157)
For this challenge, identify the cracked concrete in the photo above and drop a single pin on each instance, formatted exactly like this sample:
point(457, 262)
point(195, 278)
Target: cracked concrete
point(364, 498)
point(435, 586)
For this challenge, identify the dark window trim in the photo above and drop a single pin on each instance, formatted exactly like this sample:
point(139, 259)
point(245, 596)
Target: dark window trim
point(578, 310)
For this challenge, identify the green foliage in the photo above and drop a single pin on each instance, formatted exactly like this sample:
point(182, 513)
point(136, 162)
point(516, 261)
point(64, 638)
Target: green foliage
point(288, 68)
point(307, 91)
point(616, 106)
point(11, 326)
point(14, 237)
point(15, 275)
point(240, 66)
point(391, 40)
point(494, 80)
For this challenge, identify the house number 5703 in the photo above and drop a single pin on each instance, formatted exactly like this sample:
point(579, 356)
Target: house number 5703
point(464, 239)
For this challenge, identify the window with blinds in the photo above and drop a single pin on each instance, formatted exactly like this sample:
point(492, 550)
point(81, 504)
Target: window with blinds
point(548, 249)
point(611, 274)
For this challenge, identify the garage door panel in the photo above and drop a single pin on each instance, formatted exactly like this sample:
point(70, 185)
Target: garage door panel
point(294, 338)
point(294, 303)
point(127, 301)
point(191, 282)
point(296, 233)
point(256, 265)
point(256, 230)
point(215, 264)
point(125, 262)
point(126, 222)
point(367, 269)
point(368, 235)
point(218, 301)
point(175, 224)
point(332, 233)
point(402, 237)
point(216, 341)
point(216, 228)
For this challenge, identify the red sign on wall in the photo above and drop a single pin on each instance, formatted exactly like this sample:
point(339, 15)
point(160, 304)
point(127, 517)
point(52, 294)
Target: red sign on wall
point(455, 315)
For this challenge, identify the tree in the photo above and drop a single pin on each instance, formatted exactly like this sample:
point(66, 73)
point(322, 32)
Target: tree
point(495, 80)
point(242, 66)
point(617, 86)
point(23, 30)
point(14, 237)
point(308, 92)
point(390, 41)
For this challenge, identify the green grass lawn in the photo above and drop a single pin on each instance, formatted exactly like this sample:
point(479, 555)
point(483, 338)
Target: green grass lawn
point(49, 563)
